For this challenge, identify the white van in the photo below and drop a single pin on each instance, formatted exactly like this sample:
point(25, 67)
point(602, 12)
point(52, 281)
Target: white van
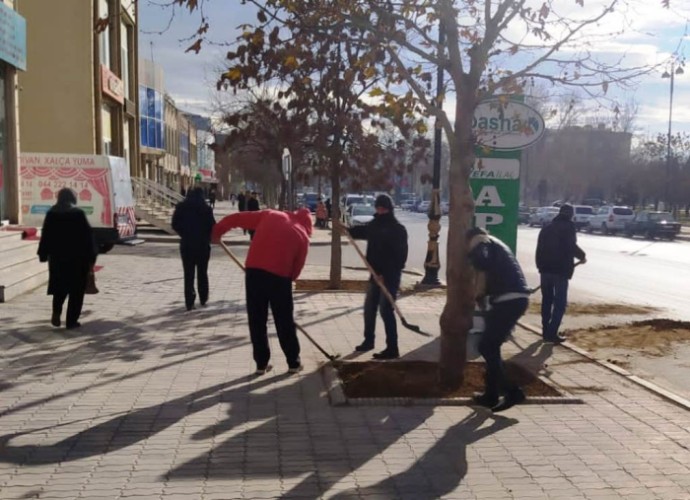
point(102, 184)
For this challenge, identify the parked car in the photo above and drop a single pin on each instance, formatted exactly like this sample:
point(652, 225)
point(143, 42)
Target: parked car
point(310, 200)
point(610, 219)
point(408, 204)
point(359, 214)
point(423, 206)
point(354, 199)
point(653, 225)
point(543, 215)
point(445, 208)
point(524, 214)
point(582, 215)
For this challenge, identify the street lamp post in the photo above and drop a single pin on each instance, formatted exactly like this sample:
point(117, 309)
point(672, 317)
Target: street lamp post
point(671, 75)
point(287, 173)
point(432, 263)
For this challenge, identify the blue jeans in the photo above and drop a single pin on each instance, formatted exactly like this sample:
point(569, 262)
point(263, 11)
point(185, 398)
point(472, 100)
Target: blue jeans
point(376, 300)
point(554, 299)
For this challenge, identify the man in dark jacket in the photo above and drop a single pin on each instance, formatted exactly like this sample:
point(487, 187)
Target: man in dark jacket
point(387, 254)
point(252, 206)
point(68, 245)
point(556, 253)
point(500, 281)
point(193, 221)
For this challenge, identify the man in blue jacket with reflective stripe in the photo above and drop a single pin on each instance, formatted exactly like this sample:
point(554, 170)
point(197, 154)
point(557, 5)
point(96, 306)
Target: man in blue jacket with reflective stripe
point(498, 279)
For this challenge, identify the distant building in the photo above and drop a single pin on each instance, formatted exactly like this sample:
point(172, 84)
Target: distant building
point(81, 96)
point(205, 157)
point(572, 164)
point(13, 58)
point(151, 119)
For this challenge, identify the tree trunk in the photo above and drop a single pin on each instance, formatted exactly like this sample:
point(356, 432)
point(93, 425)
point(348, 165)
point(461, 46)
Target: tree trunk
point(336, 249)
point(456, 319)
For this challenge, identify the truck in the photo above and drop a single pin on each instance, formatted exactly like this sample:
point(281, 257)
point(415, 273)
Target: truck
point(102, 185)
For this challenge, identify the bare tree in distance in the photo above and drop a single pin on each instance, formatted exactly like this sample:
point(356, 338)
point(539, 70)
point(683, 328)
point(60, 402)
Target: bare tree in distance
point(488, 48)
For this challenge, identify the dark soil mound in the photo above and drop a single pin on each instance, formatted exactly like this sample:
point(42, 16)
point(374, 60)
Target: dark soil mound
point(419, 379)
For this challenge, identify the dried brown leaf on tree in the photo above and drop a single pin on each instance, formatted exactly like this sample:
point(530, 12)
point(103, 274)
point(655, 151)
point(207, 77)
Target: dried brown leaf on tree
point(102, 24)
point(196, 47)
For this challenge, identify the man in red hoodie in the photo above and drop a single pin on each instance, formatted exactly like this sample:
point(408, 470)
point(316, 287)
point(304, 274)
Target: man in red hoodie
point(275, 259)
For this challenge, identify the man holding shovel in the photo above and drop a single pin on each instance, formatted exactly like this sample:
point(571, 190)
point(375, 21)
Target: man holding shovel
point(556, 253)
point(386, 254)
point(275, 259)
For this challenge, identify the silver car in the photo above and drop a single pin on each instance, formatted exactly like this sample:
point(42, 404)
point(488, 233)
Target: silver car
point(543, 216)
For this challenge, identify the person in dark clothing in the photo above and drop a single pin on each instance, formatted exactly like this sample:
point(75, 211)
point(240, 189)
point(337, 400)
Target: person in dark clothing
point(500, 281)
point(328, 208)
point(193, 221)
point(387, 254)
point(252, 206)
point(241, 202)
point(275, 259)
point(557, 250)
point(212, 198)
point(68, 245)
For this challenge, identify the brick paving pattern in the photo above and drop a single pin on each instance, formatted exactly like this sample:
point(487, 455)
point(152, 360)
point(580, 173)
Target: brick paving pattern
point(149, 401)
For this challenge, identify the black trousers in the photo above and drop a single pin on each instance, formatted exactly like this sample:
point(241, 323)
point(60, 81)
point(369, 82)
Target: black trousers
point(76, 302)
point(265, 289)
point(195, 261)
point(500, 321)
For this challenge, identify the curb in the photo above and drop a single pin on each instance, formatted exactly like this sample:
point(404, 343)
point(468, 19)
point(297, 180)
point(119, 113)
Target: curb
point(635, 379)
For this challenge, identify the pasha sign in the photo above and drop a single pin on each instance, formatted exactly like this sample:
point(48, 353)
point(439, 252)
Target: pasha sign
point(502, 124)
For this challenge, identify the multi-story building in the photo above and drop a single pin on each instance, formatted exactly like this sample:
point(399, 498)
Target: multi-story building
point(574, 163)
point(82, 95)
point(205, 171)
point(13, 59)
point(151, 119)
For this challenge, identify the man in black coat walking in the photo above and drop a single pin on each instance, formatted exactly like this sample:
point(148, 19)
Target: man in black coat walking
point(193, 221)
point(387, 254)
point(68, 245)
point(557, 250)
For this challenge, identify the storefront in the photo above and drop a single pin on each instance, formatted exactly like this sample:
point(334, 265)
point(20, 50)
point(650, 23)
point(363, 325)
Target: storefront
point(12, 58)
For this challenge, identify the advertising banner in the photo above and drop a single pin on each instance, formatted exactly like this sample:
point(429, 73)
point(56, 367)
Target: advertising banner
point(43, 175)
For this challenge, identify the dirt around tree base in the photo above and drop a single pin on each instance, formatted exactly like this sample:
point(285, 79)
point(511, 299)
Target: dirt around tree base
point(313, 285)
point(654, 337)
point(419, 379)
point(580, 309)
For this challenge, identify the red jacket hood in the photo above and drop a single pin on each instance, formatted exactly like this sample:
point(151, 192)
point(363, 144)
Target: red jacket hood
point(303, 217)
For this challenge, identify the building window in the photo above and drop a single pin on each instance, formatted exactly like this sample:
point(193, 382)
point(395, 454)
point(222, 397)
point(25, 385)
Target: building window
point(104, 40)
point(126, 60)
point(184, 149)
point(151, 121)
point(107, 127)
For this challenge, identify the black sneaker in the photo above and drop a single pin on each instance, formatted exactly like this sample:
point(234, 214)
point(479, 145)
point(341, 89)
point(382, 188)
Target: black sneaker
point(485, 400)
point(365, 346)
point(554, 340)
point(72, 326)
point(387, 354)
point(265, 369)
point(509, 400)
point(55, 319)
point(295, 369)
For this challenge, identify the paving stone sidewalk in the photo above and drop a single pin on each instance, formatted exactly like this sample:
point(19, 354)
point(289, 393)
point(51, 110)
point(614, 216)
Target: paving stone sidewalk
point(148, 401)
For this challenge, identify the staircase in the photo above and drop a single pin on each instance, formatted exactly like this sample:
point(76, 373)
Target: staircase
point(20, 270)
point(155, 204)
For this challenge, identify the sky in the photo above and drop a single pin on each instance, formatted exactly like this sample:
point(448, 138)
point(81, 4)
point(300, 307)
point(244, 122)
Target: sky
point(649, 34)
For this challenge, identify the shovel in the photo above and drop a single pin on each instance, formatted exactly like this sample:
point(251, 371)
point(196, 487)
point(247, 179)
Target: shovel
point(331, 357)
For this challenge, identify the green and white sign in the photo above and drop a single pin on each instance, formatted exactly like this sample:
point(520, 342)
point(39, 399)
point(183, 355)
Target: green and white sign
point(495, 184)
point(504, 126)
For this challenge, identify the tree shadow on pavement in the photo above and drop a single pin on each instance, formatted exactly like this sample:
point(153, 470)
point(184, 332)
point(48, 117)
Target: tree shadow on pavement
point(442, 468)
point(117, 433)
point(294, 438)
